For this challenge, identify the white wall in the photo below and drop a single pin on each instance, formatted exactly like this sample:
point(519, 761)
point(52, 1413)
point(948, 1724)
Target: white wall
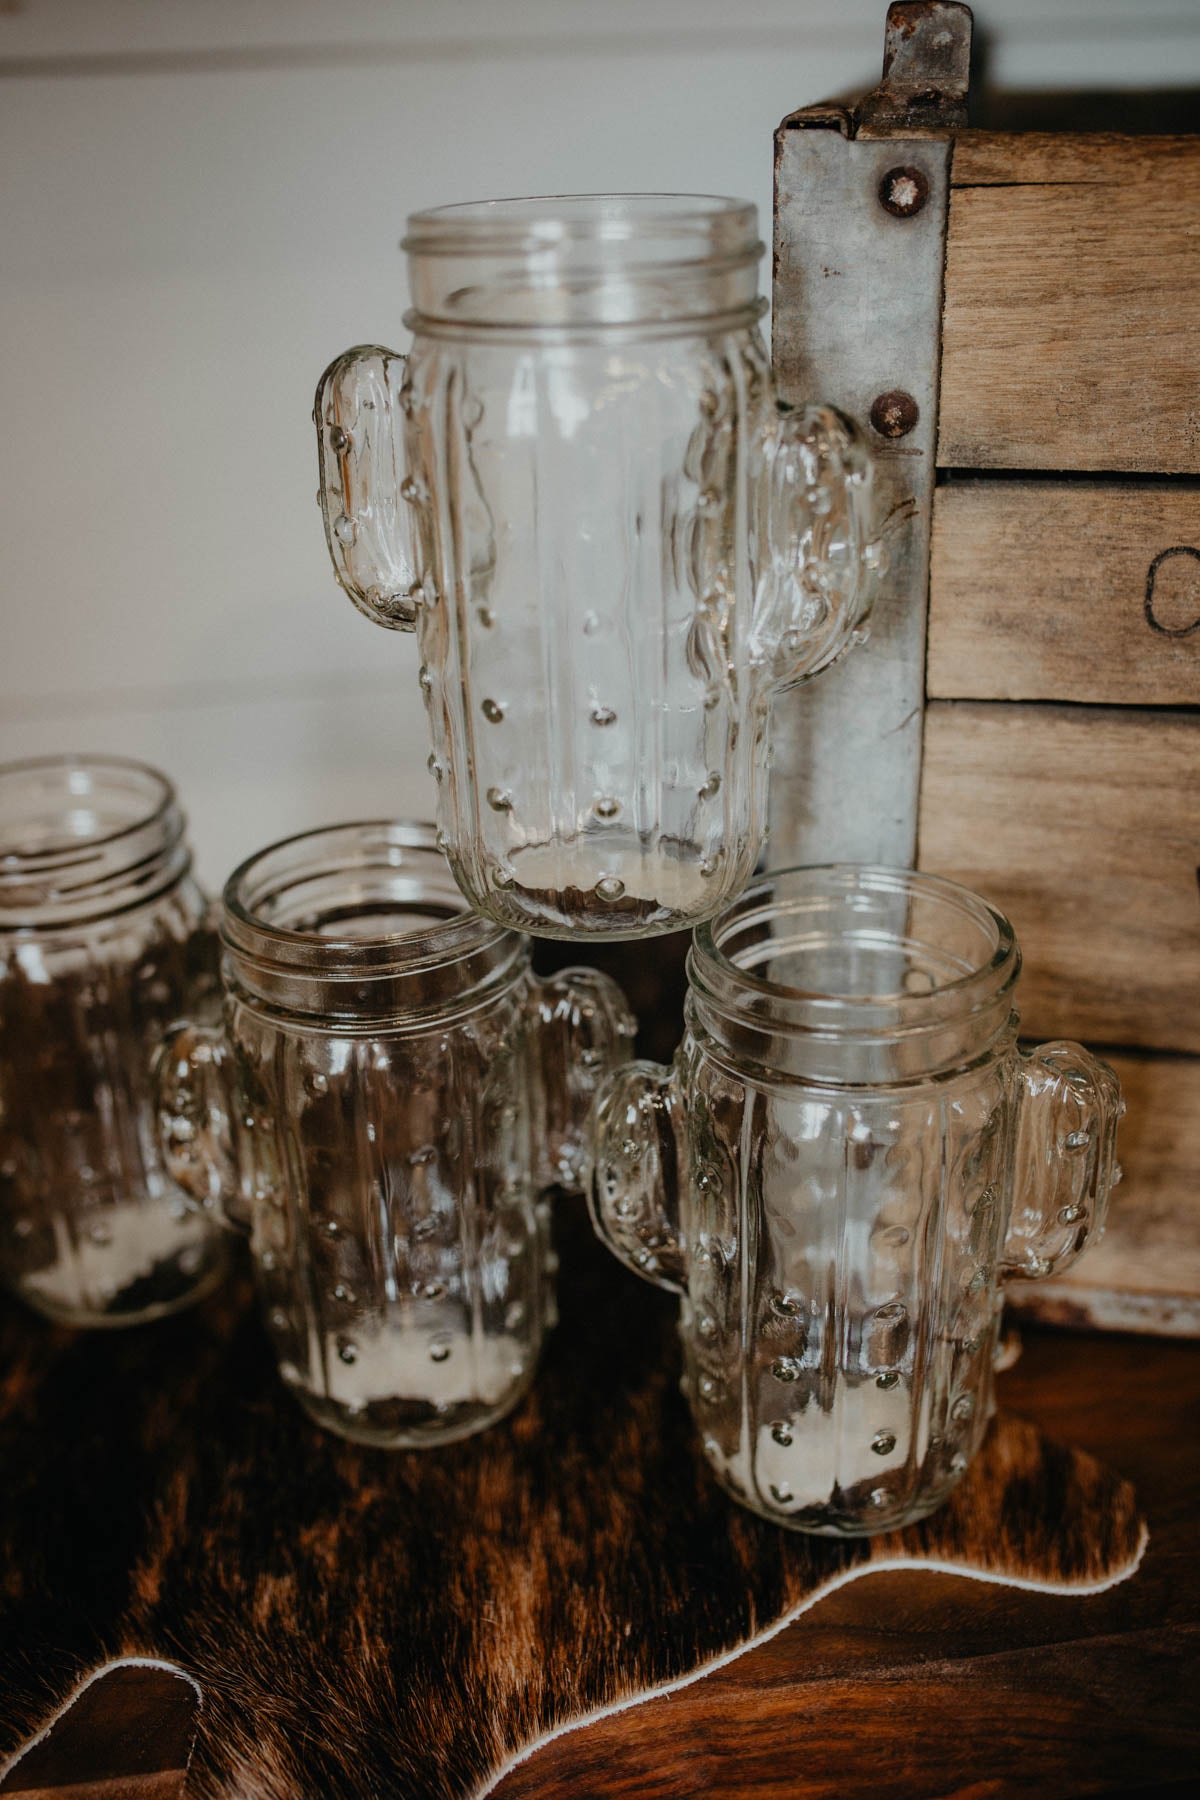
point(199, 205)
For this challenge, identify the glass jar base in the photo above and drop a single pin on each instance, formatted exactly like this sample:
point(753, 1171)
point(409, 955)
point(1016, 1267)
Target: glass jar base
point(167, 1289)
point(410, 1425)
point(837, 1522)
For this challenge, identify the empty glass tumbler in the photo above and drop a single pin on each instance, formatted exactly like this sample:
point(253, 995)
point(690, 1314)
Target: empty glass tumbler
point(390, 1091)
point(613, 545)
point(103, 942)
point(848, 1159)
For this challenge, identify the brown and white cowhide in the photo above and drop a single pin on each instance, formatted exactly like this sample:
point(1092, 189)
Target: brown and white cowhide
point(362, 1624)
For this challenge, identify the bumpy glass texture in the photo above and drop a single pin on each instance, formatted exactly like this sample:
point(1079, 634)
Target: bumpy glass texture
point(613, 545)
point(847, 1159)
point(390, 1094)
point(103, 943)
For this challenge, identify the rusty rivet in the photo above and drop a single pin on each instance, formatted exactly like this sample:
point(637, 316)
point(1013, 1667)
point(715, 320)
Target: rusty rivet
point(894, 414)
point(903, 191)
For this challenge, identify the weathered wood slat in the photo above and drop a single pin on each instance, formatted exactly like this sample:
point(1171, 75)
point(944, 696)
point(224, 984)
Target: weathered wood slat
point(1071, 329)
point(1144, 1274)
point(1083, 824)
point(1065, 591)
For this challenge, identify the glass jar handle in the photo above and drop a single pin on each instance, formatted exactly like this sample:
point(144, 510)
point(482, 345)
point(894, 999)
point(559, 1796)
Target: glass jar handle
point(817, 554)
point(201, 1127)
point(583, 1030)
point(1064, 1165)
point(366, 499)
point(636, 1173)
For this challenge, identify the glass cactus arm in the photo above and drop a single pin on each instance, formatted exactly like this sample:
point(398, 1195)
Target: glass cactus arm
point(1064, 1165)
point(364, 494)
point(201, 1127)
point(637, 1170)
point(584, 1029)
point(816, 550)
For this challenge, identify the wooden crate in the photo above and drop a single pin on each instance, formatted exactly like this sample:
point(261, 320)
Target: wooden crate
point(1024, 717)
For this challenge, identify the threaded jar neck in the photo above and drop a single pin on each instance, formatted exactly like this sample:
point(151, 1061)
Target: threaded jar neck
point(585, 262)
point(84, 837)
point(361, 923)
point(855, 976)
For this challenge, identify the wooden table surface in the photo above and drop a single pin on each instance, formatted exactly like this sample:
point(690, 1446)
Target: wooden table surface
point(911, 1685)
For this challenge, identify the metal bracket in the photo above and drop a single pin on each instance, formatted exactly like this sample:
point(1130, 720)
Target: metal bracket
point(860, 238)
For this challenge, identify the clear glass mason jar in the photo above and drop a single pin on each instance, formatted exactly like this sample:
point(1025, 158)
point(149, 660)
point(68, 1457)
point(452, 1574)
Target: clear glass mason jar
point(848, 1159)
point(613, 545)
point(104, 940)
point(390, 1091)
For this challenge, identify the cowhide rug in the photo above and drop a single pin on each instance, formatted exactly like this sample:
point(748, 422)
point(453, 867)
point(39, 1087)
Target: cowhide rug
point(362, 1624)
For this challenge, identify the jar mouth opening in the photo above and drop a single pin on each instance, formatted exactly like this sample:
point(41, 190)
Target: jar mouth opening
point(63, 811)
point(843, 947)
point(714, 223)
point(370, 895)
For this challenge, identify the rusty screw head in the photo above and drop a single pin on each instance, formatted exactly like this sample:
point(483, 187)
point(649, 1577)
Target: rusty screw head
point(903, 192)
point(894, 414)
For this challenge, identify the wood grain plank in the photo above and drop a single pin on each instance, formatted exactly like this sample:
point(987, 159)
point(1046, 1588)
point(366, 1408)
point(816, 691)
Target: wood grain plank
point(1083, 825)
point(1065, 591)
point(1144, 1274)
point(1071, 329)
point(1037, 158)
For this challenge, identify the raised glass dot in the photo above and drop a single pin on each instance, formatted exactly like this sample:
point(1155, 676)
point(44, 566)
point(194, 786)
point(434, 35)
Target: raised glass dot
point(879, 1496)
point(499, 799)
point(347, 1350)
point(339, 440)
point(709, 866)
point(788, 1304)
point(344, 529)
point(610, 887)
point(441, 842)
point(1067, 1215)
point(422, 1155)
point(433, 1290)
point(887, 1378)
point(883, 1443)
point(425, 680)
point(893, 1235)
point(958, 1463)
point(712, 698)
point(786, 1369)
point(781, 1432)
point(963, 1408)
point(605, 806)
point(706, 1325)
point(978, 1281)
point(434, 766)
point(891, 1312)
point(603, 715)
point(439, 1350)
point(711, 785)
point(781, 1493)
point(331, 1228)
point(592, 623)
point(492, 711)
point(707, 1387)
point(345, 1296)
point(502, 876)
point(1076, 1140)
point(316, 1082)
point(279, 1319)
point(100, 1232)
point(514, 1316)
point(486, 617)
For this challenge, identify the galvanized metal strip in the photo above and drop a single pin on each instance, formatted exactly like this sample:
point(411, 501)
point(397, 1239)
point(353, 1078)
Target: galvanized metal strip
point(860, 234)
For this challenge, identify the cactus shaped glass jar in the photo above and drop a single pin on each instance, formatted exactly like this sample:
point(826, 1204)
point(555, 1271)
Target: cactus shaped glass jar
point(388, 1095)
point(104, 941)
point(612, 543)
point(848, 1159)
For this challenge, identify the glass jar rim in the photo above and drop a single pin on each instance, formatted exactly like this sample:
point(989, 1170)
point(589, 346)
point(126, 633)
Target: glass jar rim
point(342, 849)
point(79, 847)
point(540, 222)
point(831, 1014)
